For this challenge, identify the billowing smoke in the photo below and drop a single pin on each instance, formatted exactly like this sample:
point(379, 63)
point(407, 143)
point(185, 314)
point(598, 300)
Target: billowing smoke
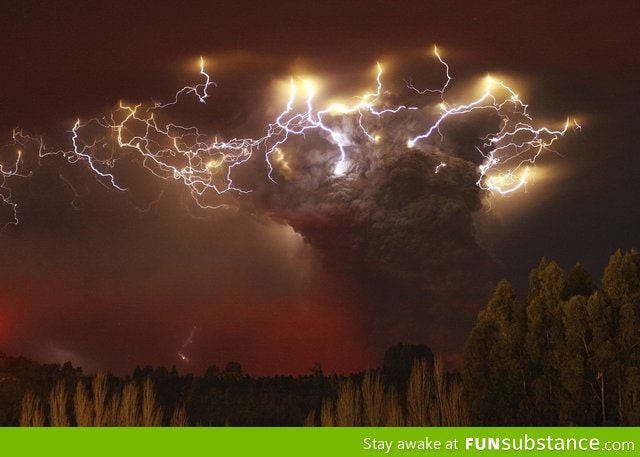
point(393, 221)
point(399, 222)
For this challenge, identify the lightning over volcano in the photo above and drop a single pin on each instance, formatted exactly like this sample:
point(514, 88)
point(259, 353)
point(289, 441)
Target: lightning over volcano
point(300, 183)
point(358, 135)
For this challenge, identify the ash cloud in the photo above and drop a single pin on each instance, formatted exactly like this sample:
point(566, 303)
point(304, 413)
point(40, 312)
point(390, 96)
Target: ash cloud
point(402, 258)
point(396, 223)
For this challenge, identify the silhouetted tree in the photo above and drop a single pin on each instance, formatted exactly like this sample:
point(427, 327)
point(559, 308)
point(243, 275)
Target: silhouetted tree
point(233, 370)
point(578, 402)
point(543, 339)
point(579, 360)
point(602, 353)
point(578, 282)
point(621, 288)
point(495, 372)
point(399, 359)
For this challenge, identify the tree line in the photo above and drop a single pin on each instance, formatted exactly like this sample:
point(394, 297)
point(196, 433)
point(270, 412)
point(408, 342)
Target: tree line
point(567, 355)
point(411, 388)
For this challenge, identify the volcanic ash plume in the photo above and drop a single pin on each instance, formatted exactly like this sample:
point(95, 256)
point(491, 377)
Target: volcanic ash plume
point(399, 221)
point(385, 186)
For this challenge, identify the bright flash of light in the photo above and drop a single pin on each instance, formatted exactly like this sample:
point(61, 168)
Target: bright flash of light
point(182, 352)
point(205, 164)
point(12, 166)
point(517, 144)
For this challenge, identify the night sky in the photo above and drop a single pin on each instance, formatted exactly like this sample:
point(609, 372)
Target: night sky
point(294, 273)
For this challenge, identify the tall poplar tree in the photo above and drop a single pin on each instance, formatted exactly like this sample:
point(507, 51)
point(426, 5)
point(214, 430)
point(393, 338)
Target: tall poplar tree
point(544, 337)
point(494, 374)
point(621, 287)
point(578, 399)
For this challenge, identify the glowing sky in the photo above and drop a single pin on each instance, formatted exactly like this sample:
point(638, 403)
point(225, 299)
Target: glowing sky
point(108, 286)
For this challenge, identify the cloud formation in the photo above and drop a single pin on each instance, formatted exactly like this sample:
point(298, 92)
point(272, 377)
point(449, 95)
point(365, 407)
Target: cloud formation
point(393, 244)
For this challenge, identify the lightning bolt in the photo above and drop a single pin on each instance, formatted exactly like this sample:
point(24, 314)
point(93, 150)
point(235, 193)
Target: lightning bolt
point(12, 166)
point(206, 164)
point(517, 144)
point(182, 354)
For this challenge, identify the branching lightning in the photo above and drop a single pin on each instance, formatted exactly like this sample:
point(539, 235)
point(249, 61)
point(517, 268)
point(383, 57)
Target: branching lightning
point(12, 165)
point(142, 134)
point(516, 145)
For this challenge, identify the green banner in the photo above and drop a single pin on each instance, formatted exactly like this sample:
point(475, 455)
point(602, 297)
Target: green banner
point(283, 442)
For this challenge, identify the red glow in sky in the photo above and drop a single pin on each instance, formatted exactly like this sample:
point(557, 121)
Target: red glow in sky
point(110, 287)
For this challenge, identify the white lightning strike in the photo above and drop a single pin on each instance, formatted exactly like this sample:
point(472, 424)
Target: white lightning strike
point(205, 164)
point(14, 167)
point(440, 91)
point(517, 142)
point(182, 354)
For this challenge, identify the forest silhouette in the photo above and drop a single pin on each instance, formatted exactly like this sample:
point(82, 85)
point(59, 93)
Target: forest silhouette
point(569, 354)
